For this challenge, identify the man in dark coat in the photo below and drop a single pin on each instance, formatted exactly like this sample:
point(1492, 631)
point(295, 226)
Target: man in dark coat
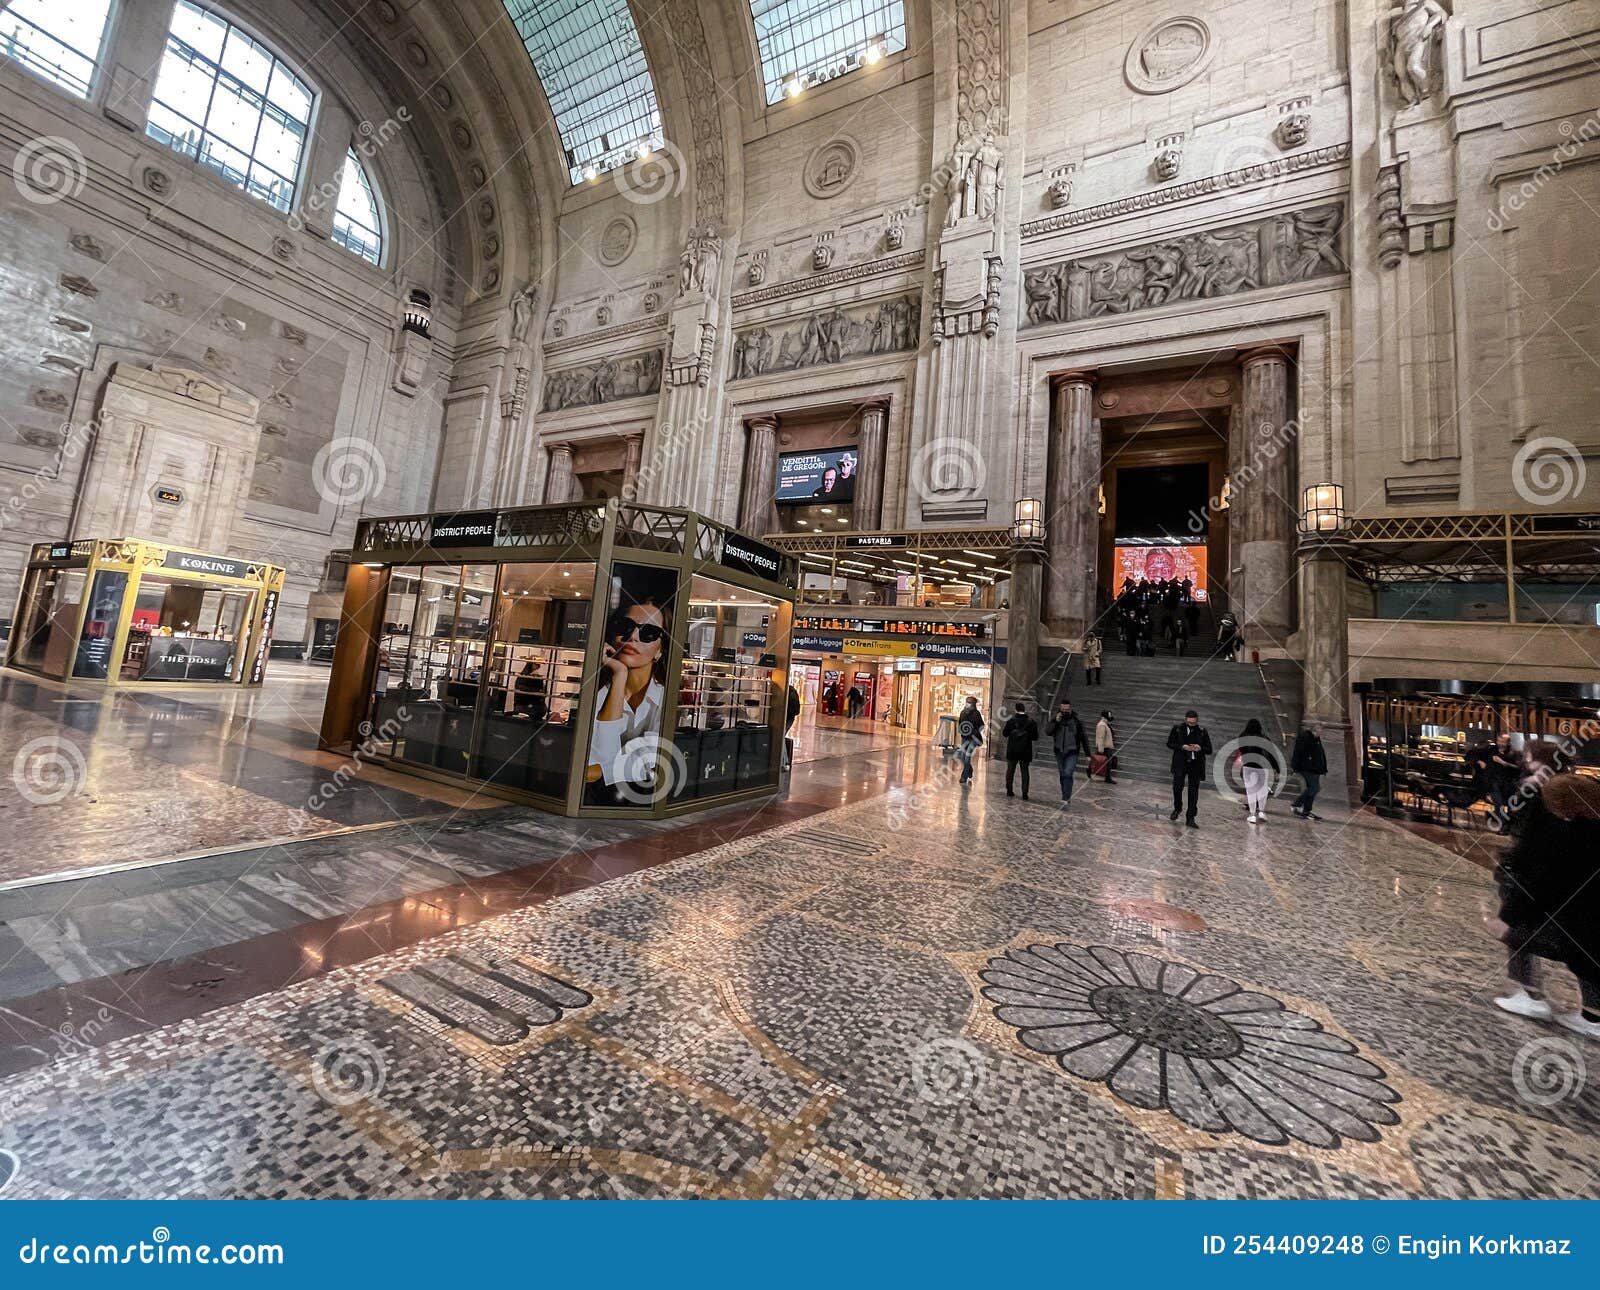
point(1068, 738)
point(1550, 893)
point(1190, 745)
point(1020, 732)
point(969, 728)
point(791, 714)
point(1310, 761)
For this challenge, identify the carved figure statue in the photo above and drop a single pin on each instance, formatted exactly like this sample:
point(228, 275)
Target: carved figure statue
point(697, 264)
point(987, 163)
point(963, 195)
point(1042, 287)
point(1415, 30)
point(522, 306)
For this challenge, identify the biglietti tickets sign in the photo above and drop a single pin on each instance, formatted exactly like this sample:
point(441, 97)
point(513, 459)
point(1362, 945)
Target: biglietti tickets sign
point(464, 528)
point(219, 566)
point(749, 556)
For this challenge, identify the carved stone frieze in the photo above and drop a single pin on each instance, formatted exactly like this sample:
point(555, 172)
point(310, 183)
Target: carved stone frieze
point(603, 381)
point(1265, 172)
point(828, 336)
point(1292, 247)
point(834, 277)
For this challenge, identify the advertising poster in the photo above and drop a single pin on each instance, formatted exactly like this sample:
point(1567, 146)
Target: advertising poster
point(631, 687)
point(1156, 563)
point(825, 476)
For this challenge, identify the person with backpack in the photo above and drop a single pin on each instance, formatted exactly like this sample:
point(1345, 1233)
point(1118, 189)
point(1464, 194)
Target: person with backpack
point(969, 728)
point(1068, 739)
point(1020, 732)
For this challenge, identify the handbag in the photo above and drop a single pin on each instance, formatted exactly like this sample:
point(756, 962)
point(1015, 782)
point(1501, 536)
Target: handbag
point(1097, 764)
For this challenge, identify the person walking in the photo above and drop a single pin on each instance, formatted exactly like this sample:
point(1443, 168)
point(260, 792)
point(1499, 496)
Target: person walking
point(1105, 746)
point(1020, 733)
point(1309, 760)
point(1190, 745)
point(1180, 635)
point(1549, 903)
point(790, 716)
point(1093, 657)
point(1252, 759)
point(969, 727)
point(1068, 738)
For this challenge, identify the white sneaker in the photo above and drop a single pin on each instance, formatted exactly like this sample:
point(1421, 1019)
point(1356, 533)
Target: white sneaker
point(1579, 1024)
point(1253, 819)
point(1524, 1004)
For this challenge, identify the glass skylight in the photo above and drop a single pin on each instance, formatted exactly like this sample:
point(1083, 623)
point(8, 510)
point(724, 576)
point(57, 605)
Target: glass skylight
point(804, 42)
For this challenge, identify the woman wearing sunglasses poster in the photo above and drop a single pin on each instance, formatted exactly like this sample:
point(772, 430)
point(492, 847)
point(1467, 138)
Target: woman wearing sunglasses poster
point(623, 744)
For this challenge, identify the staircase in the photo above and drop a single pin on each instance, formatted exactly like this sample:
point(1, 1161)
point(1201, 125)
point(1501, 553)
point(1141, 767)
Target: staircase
point(1148, 696)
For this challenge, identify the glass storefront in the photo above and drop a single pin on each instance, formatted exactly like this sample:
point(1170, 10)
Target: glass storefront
point(1421, 741)
point(483, 666)
point(131, 612)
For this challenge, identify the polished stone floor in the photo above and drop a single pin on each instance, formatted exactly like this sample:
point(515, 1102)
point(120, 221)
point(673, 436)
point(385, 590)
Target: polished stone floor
point(878, 985)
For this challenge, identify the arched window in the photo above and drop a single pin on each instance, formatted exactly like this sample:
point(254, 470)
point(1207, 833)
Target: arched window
point(60, 42)
point(591, 66)
point(804, 42)
point(229, 102)
point(355, 223)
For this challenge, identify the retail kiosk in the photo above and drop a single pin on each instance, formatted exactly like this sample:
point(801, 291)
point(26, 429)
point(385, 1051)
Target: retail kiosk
point(123, 611)
point(589, 658)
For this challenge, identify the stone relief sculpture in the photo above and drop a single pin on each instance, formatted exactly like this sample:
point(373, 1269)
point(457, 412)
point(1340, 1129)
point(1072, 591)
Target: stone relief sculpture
point(828, 336)
point(522, 306)
point(1168, 163)
point(697, 265)
point(1295, 247)
point(975, 177)
point(1293, 131)
point(1416, 28)
point(604, 381)
point(986, 168)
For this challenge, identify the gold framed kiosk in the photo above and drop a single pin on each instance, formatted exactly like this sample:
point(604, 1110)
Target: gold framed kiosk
point(590, 659)
point(130, 612)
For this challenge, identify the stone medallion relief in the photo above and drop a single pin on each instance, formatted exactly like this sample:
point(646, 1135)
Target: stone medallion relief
point(830, 168)
point(617, 240)
point(1169, 55)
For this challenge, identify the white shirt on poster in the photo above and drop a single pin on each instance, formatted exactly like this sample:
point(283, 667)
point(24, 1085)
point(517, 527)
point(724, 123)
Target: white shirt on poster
point(625, 748)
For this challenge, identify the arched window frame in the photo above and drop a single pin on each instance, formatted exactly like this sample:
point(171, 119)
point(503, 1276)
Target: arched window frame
point(204, 142)
point(347, 232)
point(45, 36)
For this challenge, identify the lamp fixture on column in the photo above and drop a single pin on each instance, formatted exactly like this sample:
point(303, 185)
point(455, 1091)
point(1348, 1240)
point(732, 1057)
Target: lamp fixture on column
point(1100, 499)
point(1028, 527)
point(1322, 509)
point(418, 314)
point(1225, 496)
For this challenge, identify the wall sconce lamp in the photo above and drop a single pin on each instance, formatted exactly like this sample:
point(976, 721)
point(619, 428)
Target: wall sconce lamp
point(1100, 499)
point(1322, 509)
point(1225, 497)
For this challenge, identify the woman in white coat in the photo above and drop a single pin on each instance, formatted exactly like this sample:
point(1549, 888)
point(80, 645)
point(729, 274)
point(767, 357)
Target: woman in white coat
point(627, 716)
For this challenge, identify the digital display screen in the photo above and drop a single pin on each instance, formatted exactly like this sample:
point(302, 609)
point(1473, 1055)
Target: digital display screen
point(1156, 563)
point(825, 476)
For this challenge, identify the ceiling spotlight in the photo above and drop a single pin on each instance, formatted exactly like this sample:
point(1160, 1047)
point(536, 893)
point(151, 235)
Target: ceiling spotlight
point(589, 172)
point(874, 52)
point(792, 87)
point(644, 151)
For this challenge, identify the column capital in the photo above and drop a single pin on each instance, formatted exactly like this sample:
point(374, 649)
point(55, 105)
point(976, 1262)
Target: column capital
point(762, 421)
point(1272, 351)
point(1075, 376)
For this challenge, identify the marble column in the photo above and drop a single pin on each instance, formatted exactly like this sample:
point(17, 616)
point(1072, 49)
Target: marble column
point(870, 450)
point(1022, 644)
point(560, 484)
point(632, 455)
point(1263, 593)
point(1072, 520)
point(757, 513)
point(1325, 618)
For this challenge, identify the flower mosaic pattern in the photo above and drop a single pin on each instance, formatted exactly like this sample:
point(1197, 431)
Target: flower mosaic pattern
point(1162, 1036)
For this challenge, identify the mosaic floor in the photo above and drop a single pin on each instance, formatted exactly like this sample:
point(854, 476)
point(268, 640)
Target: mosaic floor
point(927, 993)
point(103, 780)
